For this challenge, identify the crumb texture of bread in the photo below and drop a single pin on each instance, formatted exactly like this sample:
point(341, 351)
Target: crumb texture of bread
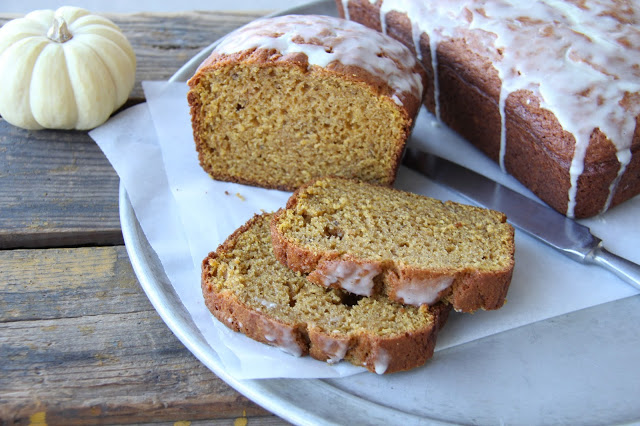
point(370, 239)
point(248, 290)
point(288, 99)
point(549, 90)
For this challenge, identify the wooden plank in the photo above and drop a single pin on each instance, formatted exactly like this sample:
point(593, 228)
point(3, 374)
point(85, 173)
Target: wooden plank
point(68, 283)
point(85, 369)
point(101, 354)
point(238, 421)
point(56, 187)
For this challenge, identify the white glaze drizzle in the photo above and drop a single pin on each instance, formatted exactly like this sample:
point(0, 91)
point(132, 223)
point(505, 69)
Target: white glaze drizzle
point(356, 278)
point(345, 7)
point(325, 40)
point(281, 336)
point(422, 291)
point(335, 348)
point(433, 46)
point(381, 362)
point(578, 58)
point(503, 128)
point(383, 23)
point(624, 158)
point(416, 35)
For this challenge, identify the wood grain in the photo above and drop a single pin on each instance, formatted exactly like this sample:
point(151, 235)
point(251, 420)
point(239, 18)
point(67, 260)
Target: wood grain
point(56, 187)
point(81, 344)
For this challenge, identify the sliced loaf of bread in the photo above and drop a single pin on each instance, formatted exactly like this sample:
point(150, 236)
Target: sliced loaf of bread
point(248, 290)
point(370, 239)
point(283, 100)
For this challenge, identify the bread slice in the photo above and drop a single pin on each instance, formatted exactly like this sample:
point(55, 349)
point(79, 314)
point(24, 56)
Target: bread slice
point(287, 99)
point(370, 239)
point(249, 291)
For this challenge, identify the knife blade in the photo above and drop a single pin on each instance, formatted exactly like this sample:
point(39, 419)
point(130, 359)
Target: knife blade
point(540, 221)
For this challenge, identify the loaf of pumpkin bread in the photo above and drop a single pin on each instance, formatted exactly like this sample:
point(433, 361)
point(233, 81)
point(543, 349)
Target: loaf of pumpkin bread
point(283, 100)
point(548, 89)
point(249, 291)
point(370, 239)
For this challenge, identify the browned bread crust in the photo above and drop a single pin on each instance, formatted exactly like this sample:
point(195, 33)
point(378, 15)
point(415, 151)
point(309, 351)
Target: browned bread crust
point(468, 286)
point(302, 335)
point(538, 151)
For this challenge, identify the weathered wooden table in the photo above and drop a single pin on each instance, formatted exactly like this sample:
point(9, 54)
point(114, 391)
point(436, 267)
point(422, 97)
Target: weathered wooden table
point(79, 341)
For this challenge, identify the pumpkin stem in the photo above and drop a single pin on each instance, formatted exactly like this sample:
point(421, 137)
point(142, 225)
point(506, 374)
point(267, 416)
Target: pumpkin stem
point(59, 31)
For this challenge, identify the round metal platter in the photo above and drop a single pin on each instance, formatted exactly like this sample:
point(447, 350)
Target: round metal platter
point(577, 368)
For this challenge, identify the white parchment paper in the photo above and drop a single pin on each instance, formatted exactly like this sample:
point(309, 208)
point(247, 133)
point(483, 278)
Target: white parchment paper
point(185, 215)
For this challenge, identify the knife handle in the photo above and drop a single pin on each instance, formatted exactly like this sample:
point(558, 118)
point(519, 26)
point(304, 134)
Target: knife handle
point(623, 268)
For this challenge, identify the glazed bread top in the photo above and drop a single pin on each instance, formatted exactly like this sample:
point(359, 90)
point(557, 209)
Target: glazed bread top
point(330, 43)
point(579, 60)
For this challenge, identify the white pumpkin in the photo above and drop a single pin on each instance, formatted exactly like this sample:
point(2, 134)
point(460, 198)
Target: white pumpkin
point(66, 69)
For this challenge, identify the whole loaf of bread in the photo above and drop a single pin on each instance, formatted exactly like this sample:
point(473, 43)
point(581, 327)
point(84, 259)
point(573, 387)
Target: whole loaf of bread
point(548, 89)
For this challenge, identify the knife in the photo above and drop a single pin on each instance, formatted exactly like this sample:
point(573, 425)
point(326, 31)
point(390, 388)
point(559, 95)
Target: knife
point(538, 220)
